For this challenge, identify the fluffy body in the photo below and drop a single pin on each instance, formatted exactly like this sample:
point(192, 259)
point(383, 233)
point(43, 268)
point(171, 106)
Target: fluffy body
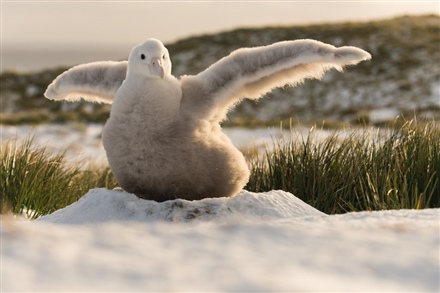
point(163, 139)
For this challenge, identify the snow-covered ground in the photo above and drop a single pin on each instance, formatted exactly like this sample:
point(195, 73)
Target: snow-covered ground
point(114, 241)
point(83, 141)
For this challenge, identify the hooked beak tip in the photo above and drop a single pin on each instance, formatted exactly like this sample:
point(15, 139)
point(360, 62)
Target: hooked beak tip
point(157, 67)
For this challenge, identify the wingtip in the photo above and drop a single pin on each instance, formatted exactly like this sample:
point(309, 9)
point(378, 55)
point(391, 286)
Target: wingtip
point(365, 55)
point(50, 93)
point(352, 55)
point(47, 94)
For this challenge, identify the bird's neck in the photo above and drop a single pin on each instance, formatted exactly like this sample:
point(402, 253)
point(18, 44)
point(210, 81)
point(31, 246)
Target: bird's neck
point(156, 99)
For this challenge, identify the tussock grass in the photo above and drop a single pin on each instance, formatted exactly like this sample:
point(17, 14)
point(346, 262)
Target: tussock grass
point(352, 170)
point(363, 170)
point(35, 182)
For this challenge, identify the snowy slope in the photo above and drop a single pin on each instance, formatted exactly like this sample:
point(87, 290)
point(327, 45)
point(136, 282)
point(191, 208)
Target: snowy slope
point(113, 241)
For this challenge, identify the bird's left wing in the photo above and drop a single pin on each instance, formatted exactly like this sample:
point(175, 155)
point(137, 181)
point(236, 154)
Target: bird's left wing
point(94, 82)
point(252, 72)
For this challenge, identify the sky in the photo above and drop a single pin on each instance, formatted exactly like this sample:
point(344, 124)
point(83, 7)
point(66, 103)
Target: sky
point(114, 27)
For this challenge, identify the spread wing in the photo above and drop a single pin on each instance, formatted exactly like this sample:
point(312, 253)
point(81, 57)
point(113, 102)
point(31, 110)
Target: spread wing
point(94, 82)
point(252, 72)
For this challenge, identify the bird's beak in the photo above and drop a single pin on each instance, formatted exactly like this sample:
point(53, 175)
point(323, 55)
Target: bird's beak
point(157, 67)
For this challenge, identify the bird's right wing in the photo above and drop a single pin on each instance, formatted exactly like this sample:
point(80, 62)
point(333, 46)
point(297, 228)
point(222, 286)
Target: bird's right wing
point(94, 82)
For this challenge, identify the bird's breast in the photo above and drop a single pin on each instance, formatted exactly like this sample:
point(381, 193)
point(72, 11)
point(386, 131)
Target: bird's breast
point(150, 105)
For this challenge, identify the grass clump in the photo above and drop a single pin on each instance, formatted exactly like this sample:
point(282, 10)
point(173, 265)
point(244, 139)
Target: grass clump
point(356, 170)
point(35, 182)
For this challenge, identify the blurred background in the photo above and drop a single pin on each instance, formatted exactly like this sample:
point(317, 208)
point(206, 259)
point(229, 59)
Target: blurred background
point(39, 35)
point(42, 39)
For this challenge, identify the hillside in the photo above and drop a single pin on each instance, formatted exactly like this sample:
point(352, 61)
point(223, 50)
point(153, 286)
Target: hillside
point(402, 78)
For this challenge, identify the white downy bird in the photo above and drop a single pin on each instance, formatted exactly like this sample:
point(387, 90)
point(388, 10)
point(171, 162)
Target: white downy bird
point(163, 139)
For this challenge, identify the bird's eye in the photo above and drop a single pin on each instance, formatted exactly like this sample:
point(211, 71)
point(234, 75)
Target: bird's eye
point(163, 57)
point(142, 56)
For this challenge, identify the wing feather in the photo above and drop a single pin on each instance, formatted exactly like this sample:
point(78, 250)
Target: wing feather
point(252, 72)
point(94, 82)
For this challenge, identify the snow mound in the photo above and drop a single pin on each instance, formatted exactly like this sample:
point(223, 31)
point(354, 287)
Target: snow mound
point(253, 242)
point(103, 205)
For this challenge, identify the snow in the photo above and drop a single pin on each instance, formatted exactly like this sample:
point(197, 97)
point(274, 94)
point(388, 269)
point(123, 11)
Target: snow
point(83, 141)
point(383, 115)
point(114, 241)
point(123, 206)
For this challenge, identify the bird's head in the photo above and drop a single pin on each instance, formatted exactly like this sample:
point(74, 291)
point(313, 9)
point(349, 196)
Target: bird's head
point(150, 59)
